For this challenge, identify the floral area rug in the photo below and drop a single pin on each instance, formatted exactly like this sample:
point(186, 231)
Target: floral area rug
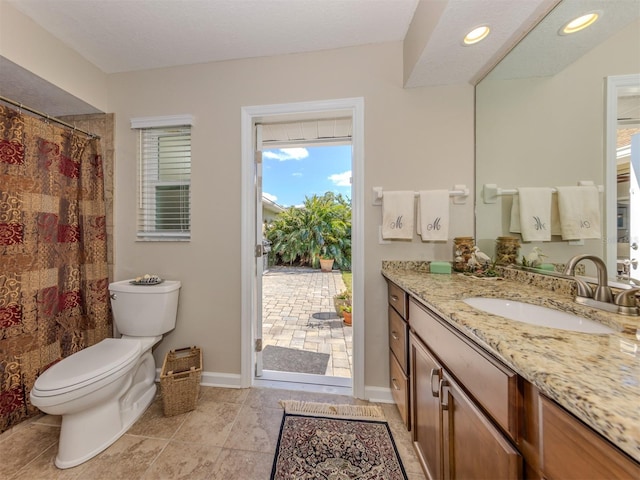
point(335, 442)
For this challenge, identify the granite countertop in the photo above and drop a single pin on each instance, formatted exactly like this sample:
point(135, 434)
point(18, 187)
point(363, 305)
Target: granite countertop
point(594, 376)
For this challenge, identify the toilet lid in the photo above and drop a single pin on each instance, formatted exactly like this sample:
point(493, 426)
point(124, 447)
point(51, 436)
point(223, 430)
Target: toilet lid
point(87, 366)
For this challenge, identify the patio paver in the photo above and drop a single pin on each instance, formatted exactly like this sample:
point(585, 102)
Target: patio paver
point(298, 312)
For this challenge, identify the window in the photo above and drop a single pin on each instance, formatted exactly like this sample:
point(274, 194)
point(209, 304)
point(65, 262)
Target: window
point(164, 180)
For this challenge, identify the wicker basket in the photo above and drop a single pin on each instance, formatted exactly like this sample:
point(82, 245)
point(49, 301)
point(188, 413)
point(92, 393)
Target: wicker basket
point(180, 380)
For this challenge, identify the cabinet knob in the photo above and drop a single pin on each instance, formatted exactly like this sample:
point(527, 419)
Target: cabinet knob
point(395, 384)
point(394, 335)
point(394, 298)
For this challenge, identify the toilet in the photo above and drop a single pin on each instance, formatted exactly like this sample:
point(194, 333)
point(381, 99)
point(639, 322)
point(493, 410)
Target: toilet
point(102, 390)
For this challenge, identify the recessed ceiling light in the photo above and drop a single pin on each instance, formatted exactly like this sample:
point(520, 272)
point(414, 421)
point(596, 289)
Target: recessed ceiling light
point(580, 23)
point(476, 35)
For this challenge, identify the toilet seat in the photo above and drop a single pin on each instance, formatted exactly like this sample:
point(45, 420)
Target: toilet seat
point(88, 366)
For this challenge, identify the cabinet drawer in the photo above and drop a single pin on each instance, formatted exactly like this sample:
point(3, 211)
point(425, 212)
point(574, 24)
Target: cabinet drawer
point(490, 383)
point(571, 450)
point(399, 338)
point(398, 299)
point(399, 388)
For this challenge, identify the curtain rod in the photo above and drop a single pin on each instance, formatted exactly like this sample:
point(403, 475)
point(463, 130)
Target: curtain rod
point(48, 117)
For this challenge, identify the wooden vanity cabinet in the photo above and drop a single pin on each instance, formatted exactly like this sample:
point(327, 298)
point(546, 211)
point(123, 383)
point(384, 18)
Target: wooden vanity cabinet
point(471, 417)
point(399, 350)
point(571, 450)
point(453, 435)
point(426, 417)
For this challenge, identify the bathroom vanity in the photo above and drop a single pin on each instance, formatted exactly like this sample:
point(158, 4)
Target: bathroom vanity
point(488, 397)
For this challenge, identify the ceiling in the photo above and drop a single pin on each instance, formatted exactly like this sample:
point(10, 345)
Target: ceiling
point(127, 35)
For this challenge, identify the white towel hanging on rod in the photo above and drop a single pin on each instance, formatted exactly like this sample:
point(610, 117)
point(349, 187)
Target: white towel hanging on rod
point(459, 194)
point(491, 191)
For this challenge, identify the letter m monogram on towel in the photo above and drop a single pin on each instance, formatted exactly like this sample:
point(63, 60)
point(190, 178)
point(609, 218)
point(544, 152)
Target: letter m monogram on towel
point(397, 224)
point(538, 224)
point(435, 225)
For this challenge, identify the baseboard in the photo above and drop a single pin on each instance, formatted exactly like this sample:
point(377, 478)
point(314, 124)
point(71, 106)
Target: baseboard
point(233, 380)
point(378, 394)
point(214, 379)
point(217, 379)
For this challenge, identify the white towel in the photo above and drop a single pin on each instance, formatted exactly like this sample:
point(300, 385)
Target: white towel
point(556, 229)
point(397, 215)
point(579, 209)
point(433, 215)
point(514, 226)
point(535, 213)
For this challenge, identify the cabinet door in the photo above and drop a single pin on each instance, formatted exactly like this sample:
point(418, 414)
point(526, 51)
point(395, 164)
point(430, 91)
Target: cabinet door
point(426, 419)
point(473, 447)
point(571, 450)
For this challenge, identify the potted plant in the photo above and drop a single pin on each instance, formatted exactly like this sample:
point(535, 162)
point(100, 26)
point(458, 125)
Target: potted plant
point(326, 260)
point(346, 314)
point(340, 300)
point(326, 264)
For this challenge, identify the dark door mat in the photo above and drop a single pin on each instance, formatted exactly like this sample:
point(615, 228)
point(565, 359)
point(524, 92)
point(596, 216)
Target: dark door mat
point(293, 360)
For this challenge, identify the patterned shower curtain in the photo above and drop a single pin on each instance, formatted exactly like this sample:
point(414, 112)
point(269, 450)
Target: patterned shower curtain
point(53, 253)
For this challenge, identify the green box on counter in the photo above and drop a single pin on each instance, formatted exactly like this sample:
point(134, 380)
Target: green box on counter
point(440, 267)
point(546, 266)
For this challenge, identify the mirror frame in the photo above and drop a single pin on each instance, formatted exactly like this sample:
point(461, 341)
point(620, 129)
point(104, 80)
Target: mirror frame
point(615, 86)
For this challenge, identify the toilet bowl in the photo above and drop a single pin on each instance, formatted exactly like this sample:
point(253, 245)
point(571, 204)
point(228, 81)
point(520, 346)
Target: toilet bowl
point(102, 390)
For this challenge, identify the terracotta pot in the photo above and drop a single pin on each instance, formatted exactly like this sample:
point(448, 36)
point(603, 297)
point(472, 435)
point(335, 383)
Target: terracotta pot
point(326, 264)
point(346, 318)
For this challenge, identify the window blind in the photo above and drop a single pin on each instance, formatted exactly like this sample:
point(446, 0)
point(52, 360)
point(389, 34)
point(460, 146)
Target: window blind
point(164, 189)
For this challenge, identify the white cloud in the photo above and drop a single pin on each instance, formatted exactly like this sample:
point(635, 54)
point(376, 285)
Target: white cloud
point(268, 196)
point(285, 154)
point(296, 174)
point(341, 179)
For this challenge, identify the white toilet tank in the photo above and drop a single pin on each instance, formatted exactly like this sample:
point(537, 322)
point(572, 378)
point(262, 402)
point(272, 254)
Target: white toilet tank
point(144, 310)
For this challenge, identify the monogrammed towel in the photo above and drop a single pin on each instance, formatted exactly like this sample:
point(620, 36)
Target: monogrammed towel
point(397, 215)
point(514, 226)
point(433, 215)
point(535, 213)
point(579, 212)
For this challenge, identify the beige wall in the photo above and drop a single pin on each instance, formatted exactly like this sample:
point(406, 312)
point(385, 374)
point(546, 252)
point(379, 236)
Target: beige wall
point(548, 131)
point(414, 139)
point(28, 45)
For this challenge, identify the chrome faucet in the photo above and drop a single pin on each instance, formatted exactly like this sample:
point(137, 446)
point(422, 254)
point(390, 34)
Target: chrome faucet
point(602, 297)
point(602, 292)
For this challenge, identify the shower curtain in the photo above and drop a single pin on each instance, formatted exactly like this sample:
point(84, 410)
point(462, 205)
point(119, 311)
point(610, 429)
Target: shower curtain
point(53, 253)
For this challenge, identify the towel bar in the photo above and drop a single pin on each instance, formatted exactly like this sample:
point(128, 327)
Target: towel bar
point(491, 191)
point(459, 194)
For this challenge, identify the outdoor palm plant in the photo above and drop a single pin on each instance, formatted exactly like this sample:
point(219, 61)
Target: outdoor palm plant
point(320, 228)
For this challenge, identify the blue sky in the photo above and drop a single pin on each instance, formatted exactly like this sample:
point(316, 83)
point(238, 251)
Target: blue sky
point(290, 174)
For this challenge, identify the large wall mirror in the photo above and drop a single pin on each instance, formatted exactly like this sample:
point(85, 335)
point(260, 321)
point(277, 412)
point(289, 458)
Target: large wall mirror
point(541, 122)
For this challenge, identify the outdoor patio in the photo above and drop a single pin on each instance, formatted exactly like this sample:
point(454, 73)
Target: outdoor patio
point(298, 314)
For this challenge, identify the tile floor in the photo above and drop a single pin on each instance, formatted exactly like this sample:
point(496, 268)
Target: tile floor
point(298, 312)
point(231, 434)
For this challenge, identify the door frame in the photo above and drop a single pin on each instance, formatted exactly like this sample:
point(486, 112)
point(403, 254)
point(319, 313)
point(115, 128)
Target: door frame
point(251, 115)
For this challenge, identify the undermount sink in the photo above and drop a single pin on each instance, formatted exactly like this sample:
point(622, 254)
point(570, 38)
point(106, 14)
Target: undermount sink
point(536, 315)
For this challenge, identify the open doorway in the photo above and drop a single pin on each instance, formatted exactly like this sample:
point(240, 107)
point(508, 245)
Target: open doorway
point(307, 283)
point(254, 118)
